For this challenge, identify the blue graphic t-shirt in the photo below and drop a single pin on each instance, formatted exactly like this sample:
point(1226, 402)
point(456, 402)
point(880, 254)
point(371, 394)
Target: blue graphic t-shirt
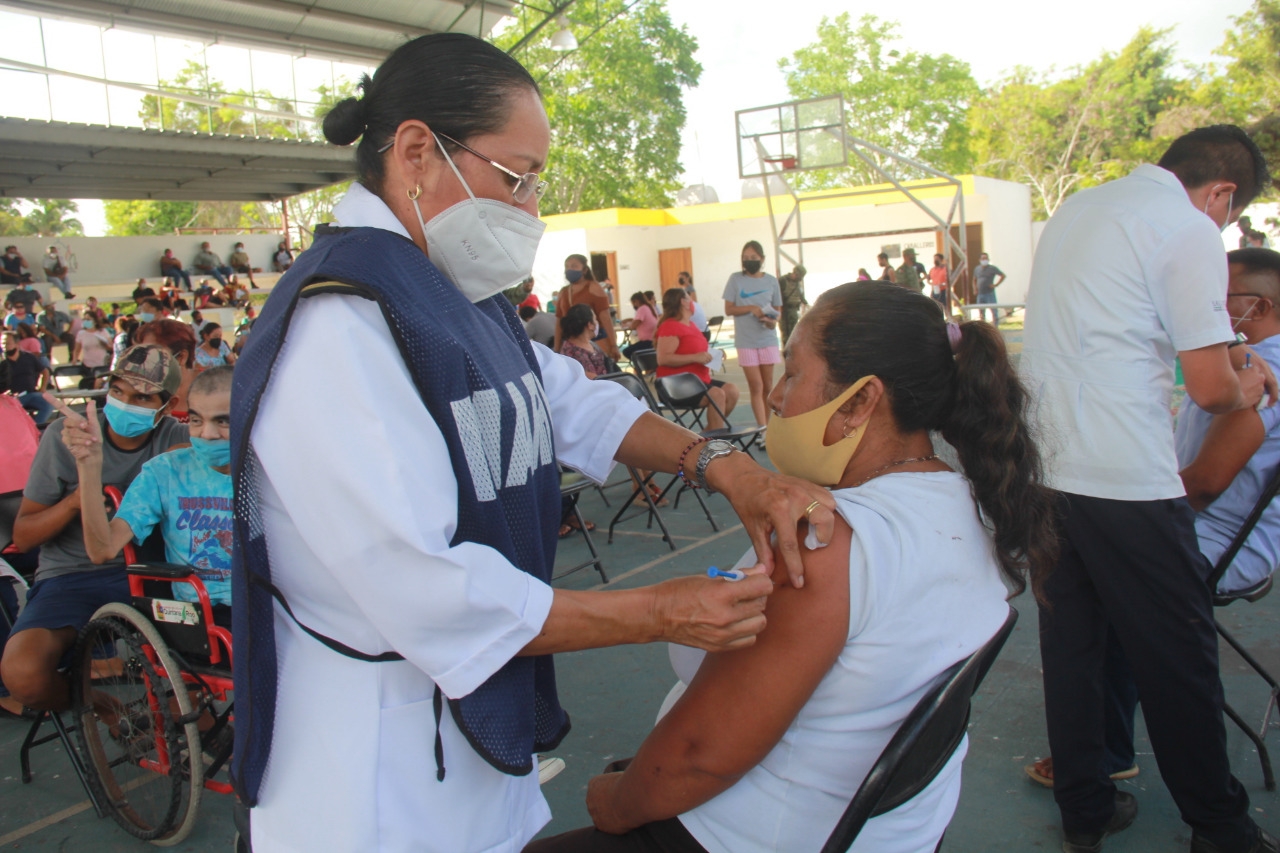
point(192, 503)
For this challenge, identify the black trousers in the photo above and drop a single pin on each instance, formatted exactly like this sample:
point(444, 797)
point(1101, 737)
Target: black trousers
point(664, 836)
point(1134, 568)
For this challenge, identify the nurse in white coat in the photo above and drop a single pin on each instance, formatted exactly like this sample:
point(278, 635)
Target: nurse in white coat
point(358, 501)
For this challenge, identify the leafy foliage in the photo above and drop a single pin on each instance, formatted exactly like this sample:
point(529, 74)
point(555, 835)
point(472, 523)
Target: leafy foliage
point(614, 104)
point(49, 218)
point(908, 102)
point(1090, 126)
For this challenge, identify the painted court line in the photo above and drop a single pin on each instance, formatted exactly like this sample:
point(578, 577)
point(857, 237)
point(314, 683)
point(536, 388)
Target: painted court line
point(644, 567)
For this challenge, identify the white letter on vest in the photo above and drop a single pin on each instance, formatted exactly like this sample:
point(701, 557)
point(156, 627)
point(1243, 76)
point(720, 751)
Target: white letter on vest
point(464, 416)
point(541, 422)
point(523, 454)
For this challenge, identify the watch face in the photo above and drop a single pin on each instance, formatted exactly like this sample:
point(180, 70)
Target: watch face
point(719, 445)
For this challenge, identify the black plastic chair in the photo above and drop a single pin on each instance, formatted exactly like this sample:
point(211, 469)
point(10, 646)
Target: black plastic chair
point(76, 372)
point(1251, 594)
point(923, 744)
point(645, 362)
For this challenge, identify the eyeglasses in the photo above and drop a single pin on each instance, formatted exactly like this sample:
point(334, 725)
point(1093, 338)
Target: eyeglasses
point(527, 185)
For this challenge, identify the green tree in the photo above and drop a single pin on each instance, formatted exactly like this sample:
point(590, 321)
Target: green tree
point(10, 218)
point(231, 118)
point(1092, 125)
point(910, 103)
point(614, 103)
point(141, 217)
point(53, 218)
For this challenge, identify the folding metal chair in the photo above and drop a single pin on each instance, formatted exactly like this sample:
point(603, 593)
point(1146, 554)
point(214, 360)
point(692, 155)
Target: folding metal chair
point(573, 491)
point(923, 744)
point(1251, 594)
point(713, 329)
point(684, 396)
point(640, 391)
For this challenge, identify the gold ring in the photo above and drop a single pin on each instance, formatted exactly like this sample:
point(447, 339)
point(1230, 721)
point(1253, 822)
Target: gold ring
point(811, 507)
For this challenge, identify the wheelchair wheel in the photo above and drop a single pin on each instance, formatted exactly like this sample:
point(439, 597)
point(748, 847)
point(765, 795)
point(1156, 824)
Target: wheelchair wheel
point(137, 727)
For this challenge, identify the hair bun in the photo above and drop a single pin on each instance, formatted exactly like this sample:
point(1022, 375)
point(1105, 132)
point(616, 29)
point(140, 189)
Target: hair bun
point(346, 122)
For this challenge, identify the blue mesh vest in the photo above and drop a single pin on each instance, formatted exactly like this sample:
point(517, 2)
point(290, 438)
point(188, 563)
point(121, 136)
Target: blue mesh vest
point(475, 371)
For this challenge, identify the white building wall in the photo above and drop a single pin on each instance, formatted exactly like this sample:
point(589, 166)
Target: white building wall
point(107, 260)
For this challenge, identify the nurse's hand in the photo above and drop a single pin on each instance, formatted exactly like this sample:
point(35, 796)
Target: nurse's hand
point(770, 503)
point(712, 614)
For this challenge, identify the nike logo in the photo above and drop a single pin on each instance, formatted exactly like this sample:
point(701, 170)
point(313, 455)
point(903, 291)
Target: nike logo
point(752, 293)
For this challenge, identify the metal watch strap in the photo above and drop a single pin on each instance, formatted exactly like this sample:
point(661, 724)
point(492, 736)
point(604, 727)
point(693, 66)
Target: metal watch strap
point(711, 450)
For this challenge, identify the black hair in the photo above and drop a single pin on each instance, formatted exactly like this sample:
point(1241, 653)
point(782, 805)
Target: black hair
point(1258, 260)
point(637, 299)
point(526, 312)
point(208, 329)
point(750, 244)
point(575, 320)
point(456, 84)
point(587, 274)
point(973, 397)
point(212, 380)
point(149, 300)
point(1220, 152)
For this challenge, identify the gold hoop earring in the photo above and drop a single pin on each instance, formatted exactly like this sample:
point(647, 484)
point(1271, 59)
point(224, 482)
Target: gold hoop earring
point(414, 193)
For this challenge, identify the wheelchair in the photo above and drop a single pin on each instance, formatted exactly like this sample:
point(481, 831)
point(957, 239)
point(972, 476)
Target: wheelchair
point(152, 695)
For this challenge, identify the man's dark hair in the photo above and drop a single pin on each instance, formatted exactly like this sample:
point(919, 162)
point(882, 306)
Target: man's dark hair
point(1258, 260)
point(1220, 152)
point(212, 380)
point(457, 85)
point(154, 303)
point(526, 312)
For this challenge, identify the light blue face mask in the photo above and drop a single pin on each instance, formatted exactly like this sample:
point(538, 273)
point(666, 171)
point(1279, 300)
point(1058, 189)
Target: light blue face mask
point(214, 453)
point(129, 421)
point(146, 316)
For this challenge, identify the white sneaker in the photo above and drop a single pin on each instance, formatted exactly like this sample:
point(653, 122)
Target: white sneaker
point(549, 768)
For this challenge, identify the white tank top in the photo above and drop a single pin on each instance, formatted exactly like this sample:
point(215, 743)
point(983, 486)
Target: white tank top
point(924, 592)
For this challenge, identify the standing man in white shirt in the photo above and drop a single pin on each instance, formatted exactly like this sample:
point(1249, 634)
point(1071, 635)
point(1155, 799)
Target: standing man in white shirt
point(1127, 276)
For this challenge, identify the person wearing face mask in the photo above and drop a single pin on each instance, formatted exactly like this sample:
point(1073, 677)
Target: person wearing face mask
point(1126, 276)
point(404, 504)
point(92, 346)
point(1225, 460)
point(213, 350)
point(14, 270)
point(26, 376)
point(185, 492)
point(69, 587)
point(583, 289)
point(239, 262)
point(180, 340)
point(753, 299)
point(913, 581)
point(986, 278)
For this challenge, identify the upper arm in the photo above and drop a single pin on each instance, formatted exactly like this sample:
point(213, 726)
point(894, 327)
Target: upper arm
point(666, 346)
point(741, 703)
point(1188, 287)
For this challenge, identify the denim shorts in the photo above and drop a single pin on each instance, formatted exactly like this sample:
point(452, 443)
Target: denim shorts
point(69, 601)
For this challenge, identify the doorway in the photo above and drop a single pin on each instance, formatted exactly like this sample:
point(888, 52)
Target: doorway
point(973, 242)
point(672, 262)
point(604, 266)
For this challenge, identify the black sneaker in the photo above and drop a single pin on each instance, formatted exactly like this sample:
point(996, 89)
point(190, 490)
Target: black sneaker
point(1264, 843)
point(1091, 842)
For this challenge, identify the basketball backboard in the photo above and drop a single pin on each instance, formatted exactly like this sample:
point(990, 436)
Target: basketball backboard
point(792, 137)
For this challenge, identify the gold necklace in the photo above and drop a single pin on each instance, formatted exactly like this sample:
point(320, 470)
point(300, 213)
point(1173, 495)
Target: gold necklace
point(883, 468)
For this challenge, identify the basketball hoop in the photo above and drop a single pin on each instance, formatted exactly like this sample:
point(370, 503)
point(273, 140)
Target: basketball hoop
point(788, 163)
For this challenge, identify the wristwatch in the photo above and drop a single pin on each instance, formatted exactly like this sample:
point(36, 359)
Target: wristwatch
point(713, 449)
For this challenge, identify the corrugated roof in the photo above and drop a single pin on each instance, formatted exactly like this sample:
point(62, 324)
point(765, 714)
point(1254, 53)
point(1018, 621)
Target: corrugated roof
point(349, 30)
point(42, 159)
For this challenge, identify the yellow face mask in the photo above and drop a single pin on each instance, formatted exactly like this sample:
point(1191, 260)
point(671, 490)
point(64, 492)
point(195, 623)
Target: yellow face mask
point(795, 444)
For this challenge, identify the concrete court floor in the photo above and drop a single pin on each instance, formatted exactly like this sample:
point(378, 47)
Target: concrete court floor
point(612, 695)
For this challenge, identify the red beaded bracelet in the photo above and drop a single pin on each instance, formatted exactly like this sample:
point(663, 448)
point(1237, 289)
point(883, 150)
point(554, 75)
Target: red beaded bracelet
point(680, 464)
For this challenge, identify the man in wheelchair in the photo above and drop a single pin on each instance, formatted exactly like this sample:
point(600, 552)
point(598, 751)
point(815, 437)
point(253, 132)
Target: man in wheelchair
point(186, 492)
point(69, 587)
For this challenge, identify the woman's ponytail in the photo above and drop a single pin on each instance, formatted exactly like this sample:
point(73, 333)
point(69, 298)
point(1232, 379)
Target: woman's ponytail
point(987, 425)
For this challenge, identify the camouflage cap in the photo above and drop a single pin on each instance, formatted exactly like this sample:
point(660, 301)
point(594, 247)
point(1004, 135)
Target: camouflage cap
point(149, 368)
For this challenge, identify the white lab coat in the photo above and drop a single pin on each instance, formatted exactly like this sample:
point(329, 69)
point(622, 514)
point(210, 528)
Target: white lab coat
point(359, 504)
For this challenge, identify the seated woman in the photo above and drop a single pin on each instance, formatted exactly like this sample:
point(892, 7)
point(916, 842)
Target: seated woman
point(684, 349)
point(644, 324)
point(577, 331)
point(768, 744)
point(213, 350)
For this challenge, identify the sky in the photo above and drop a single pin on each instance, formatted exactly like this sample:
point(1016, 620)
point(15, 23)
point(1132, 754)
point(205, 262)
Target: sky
point(739, 48)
